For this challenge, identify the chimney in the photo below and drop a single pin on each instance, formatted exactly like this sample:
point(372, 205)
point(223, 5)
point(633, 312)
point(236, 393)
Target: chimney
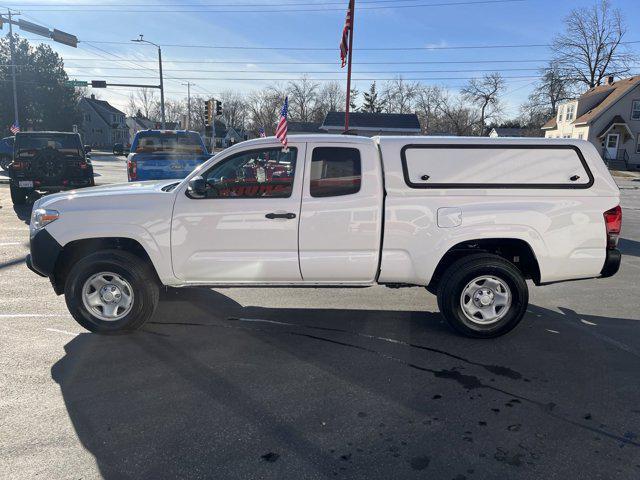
point(610, 80)
point(93, 97)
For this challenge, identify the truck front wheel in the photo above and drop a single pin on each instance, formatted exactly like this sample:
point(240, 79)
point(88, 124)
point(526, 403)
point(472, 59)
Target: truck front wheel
point(18, 195)
point(111, 291)
point(483, 296)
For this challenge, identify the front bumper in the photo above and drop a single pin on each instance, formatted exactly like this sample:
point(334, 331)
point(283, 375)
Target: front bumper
point(44, 254)
point(611, 263)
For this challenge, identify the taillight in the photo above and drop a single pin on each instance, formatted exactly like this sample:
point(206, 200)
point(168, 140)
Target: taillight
point(18, 165)
point(133, 169)
point(613, 223)
point(82, 165)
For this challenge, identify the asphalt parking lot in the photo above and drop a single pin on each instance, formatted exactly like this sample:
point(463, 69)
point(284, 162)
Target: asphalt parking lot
point(319, 383)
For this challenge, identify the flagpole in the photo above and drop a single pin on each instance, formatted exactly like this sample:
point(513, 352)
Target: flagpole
point(353, 21)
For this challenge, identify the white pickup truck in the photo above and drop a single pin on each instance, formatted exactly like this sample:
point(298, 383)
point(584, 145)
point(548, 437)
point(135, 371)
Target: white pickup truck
point(470, 219)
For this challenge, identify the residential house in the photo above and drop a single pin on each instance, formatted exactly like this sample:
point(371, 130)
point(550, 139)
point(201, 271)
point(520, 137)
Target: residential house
point(507, 132)
point(371, 124)
point(102, 123)
point(607, 116)
point(228, 136)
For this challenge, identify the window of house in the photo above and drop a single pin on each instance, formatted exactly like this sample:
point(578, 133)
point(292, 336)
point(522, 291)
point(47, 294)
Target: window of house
point(580, 136)
point(335, 171)
point(635, 110)
point(87, 117)
point(571, 109)
point(254, 174)
point(560, 113)
point(638, 144)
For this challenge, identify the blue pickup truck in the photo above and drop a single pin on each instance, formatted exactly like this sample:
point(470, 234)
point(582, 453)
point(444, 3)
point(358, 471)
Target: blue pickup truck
point(165, 154)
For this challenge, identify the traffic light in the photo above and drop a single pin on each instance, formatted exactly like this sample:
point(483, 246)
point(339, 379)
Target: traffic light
point(208, 112)
point(218, 107)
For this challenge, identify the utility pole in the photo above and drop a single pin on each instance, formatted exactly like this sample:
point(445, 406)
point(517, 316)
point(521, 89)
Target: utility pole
point(188, 84)
point(16, 121)
point(142, 40)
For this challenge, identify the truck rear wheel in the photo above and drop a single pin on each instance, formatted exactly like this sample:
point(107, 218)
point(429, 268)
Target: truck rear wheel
point(111, 291)
point(483, 296)
point(18, 195)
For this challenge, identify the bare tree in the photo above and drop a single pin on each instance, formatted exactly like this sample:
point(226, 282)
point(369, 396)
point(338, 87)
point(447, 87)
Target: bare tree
point(542, 104)
point(399, 95)
point(146, 99)
point(263, 107)
point(234, 109)
point(591, 47)
point(428, 99)
point(303, 95)
point(455, 115)
point(484, 93)
point(331, 98)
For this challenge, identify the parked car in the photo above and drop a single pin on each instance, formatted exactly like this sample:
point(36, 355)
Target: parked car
point(48, 162)
point(120, 149)
point(470, 219)
point(6, 152)
point(161, 154)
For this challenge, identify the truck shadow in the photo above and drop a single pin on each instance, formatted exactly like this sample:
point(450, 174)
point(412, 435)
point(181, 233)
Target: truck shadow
point(217, 390)
point(629, 247)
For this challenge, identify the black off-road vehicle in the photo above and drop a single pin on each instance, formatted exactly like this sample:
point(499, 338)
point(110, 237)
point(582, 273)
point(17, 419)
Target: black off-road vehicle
point(48, 162)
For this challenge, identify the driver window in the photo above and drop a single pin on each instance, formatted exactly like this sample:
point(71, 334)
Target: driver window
point(253, 174)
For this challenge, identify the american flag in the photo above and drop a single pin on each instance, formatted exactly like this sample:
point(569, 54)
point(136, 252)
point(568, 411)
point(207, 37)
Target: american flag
point(15, 128)
point(346, 31)
point(281, 129)
point(261, 133)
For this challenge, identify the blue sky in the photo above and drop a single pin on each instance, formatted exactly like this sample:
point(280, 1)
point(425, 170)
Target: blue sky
point(188, 22)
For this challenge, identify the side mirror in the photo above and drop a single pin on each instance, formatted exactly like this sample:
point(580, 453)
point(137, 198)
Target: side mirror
point(197, 187)
point(87, 148)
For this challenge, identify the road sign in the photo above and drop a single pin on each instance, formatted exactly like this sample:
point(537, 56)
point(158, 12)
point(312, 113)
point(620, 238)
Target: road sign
point(98, 83)
point(77, 83)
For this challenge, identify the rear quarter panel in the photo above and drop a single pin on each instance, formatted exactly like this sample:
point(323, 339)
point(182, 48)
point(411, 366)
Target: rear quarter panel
point(564, 227)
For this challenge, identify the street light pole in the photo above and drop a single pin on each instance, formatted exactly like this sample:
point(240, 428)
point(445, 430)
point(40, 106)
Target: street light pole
point(142, 40)
point(13, 73)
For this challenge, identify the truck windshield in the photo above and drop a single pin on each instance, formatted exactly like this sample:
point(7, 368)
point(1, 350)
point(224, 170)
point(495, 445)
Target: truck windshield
point(29, 145)
point(150, 142)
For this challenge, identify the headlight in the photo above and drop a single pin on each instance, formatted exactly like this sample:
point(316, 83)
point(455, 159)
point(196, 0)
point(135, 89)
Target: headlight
point(41, 217)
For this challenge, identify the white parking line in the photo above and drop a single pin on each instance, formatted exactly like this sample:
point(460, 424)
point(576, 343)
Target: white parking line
point(29, 315)
point(10, 243)
point(551, 331)
point(62, 331)
point(586, 322)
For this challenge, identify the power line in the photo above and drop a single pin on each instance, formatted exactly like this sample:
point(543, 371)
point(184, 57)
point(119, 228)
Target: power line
point(295, 79)
point(119, 9)
point(379, 49)
point(252, 62)
point(301, 72)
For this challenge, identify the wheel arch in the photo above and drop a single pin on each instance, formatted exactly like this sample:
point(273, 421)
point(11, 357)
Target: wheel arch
point(77, 249)
point(517, 251)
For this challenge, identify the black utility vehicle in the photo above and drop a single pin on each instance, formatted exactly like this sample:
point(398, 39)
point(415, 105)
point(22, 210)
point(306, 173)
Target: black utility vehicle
point(48, 162)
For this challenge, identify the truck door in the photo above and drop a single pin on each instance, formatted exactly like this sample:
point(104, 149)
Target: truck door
point(341, 217)
point(245, 230)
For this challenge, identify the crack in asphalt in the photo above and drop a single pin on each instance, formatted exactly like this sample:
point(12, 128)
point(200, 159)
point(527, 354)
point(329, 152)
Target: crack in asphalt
point(469, 382)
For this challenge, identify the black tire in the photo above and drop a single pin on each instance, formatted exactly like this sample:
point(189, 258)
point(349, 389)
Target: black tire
point(18, 195)
point(138, 273)
point(464, 271)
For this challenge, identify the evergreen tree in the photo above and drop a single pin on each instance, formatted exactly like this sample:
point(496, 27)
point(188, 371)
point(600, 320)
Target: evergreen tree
point(45, 100)
point(372, 104)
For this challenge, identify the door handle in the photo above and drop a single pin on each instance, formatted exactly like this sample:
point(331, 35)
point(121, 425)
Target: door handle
point(288, 216)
